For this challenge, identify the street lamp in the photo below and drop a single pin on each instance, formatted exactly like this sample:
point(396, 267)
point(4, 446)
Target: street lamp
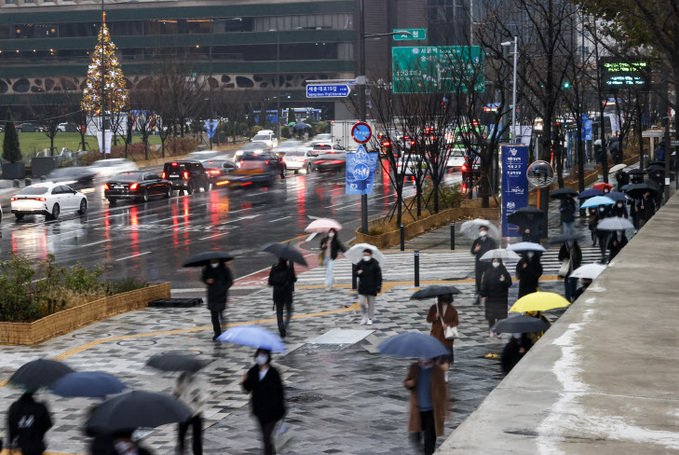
point(278, 82)
point(516, 53)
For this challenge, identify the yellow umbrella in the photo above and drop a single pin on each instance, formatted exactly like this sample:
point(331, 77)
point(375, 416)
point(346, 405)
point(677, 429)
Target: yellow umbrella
point(539, 301)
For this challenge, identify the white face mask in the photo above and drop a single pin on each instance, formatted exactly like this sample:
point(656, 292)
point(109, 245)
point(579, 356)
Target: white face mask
point(483, 234)
point(261, 359)
point(530, 254)
point(496, 264)
point(331, 234)
point(619, 204)
point(601, 209)
point(426, 362)
point(367, 258)
point(214, 266)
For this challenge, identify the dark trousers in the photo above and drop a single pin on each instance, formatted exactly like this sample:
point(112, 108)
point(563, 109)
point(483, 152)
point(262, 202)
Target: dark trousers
point(428, 431)
point(267, 432)
point(283, 322)
point(196, 424)
point(570, 285)
point(217, 321)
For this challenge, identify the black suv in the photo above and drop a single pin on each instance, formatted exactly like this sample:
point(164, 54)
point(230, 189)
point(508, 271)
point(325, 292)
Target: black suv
point(187, 175)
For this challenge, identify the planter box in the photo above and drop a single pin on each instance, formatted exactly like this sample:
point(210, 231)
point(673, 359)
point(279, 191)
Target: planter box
point(11, 171)
point(31, 333)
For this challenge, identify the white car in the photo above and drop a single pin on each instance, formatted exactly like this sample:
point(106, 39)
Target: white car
point(456, 159)
point(112, 166)
point(324, 137)
point(300, 160)
point(49, 199)
point(251, 148)
point(412, 163)
point(267, 137)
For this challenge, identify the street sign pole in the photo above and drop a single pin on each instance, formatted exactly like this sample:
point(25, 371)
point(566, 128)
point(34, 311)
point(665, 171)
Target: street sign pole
point(362, 105)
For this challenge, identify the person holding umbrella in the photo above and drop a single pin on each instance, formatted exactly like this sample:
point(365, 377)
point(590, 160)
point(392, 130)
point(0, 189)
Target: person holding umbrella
point(28, 421)
point(189, 390)
point(330, 247)
point(619, 210)
point(481, 246)
point(217, 276)
point(645, 208)
point(282, 277)
point(514, 350)
point(441, 315)
point(602, 235)
point(570, 257)
point(268, 399)
point(617, 242)
point(622, 179)
point(528, 271)
point(494, 293)
point(369, 274)
point(567, 210)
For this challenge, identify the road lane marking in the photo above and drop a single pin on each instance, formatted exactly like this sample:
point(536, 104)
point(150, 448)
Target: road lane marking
point(94, 243)
point(214, 236)
point(279, 219)
point(133, 256)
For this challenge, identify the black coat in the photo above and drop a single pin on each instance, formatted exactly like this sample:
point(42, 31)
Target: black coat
point(615, 245)
point(566, 253)
point(511, 354)
point(495, 291)
point(36, 421)
point(528, 276)
point(335, 246)
point(646, 208)
point(567, 210)
point(218, 291)
point(268, 399)
point(370, 278)
point(282, 277)
point(622, 178)
point(620, 212)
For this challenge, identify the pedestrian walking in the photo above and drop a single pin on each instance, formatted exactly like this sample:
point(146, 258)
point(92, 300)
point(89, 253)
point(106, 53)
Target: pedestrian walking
point(481, 246)
point(622, 179)
point(28, 421)
point(441, 315)
point(331, 247)
point(531, 231)
point(528, 271)
point(125, 445)
point(601, 235)
point(617, 242)
point(592, 214)
point(570, 257)
point(217, 276)
point(645, 208)
point(268, 400)
point(618, 210)
point(567, 211)
point(369, 274)
point(282, 277)
point(191, 391)
point(495, 293)
point(428, 403)
point(581, 290)
point(514, 350)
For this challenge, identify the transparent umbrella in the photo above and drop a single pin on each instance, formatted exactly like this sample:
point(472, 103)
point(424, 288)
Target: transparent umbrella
point(470, 229)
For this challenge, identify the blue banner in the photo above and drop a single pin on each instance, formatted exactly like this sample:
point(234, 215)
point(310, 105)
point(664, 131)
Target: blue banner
point(361, 168)
point(587, 130)
point(211, 127)
point(514, 184)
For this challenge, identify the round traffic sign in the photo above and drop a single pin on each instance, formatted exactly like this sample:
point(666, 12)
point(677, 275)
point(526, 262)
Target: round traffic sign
point(361, 132)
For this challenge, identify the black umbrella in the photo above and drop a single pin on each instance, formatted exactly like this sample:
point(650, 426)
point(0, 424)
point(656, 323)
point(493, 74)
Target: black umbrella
point(563, 193)
point(655, 168)
point(285, 251)
point(136, 409)
point(657, 163)
point(563, 238)
point(175, 362)
point(40, 373)
point(636, 172)
point(520, 324)
point(526, 216)
point(637, 190)
point(434, 291)
point(203, 259)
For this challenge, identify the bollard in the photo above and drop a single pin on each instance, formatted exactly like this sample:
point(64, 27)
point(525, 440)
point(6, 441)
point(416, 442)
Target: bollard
point(452, 235)
point(16, 183)
point(403, 237)
point(354, 284)
point(27, 181)
point(417, 268)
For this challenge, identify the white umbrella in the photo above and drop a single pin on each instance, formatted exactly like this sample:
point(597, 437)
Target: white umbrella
point(617, 167)
point(527, 246)
point(500, 253)
point(355, 253)
point(588, 271)
point(470, 229)
point(615, 223)
point(323, 225)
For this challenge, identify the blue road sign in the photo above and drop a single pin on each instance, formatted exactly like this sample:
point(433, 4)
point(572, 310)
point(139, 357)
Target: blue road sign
point(327, 90)
point(361, 132)
point(361, 168)
point(514, 184)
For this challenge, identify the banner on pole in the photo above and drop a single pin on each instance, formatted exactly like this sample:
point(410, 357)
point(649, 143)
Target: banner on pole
point(361, 168)
point(104, 145)
point(514, 184)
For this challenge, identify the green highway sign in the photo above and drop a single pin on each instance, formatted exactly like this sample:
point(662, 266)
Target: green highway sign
point(438, 69)
point(410, 34)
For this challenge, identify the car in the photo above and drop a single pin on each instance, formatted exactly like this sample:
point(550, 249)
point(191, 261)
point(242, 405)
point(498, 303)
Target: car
point(324, 137)
point(49, 199)
point(112, 166)
point(267, 137)
point(330, 161)
point(138, 185)
point(187, 175)
point(218, 170)
point(77, 177)
point(256, 169)
point(412, 162)
point(456, 159)
point(301, 160)
point(66, 128)
point(272, 160)
point(325, 147)
point(29, 127)
point(472, 168)
point(252, 147)
point(290, 145)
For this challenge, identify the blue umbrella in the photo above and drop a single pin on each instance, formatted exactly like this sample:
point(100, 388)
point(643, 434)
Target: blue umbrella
point(90, 384)
point(300, 126)
point(413, 344)
point(597, 201)
point(253, 336)
point(618, 196)
point(590, 193)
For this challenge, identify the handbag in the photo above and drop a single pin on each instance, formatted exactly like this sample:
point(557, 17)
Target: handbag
point(449, 333)
point(565, 267)
point(281, 435)
point(321, 256)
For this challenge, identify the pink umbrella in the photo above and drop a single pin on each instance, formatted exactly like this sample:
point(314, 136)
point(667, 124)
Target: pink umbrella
point(323, 225)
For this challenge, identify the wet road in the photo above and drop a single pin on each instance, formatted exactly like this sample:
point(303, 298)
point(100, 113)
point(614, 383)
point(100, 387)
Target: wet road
point(149, 240)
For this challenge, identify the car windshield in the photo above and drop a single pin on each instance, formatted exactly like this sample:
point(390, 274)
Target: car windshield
point(261, 137)
point(33, 190)
point(254, 146)
point(128, 177)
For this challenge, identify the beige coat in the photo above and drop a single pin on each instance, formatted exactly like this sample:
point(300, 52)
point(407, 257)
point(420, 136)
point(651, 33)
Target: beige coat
point(439, 398)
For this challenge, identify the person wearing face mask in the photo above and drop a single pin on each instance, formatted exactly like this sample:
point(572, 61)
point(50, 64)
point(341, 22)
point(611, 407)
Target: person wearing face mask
point(619, 210)
point(217, 276)
point(592, 213)
point(567, 211)
point(369, 276)
point(570, 257)
point(441, 315)
point(282, 277)
point(514, 350)
point(330, 249)
point(495, 293)
point(268, 399)
point(528, 271)
point(645, 208)
point(428, 407)
point(616, 243)
point(481, 246)
point(602, 236)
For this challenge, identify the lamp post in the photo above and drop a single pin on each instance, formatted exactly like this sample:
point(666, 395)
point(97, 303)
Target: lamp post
point(102, 112)
point(512, 133)
point(278, 82)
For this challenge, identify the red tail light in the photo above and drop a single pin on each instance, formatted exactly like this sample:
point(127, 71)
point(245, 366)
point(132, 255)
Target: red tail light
point(214, 172)
point(267, 162)
point(187, 175)
point(106, 187)
point(164, 175)
point(464, 167)
point(14, 199)
point(134, 186)
point(41, 199)
point(174, 164)
point(386, 144)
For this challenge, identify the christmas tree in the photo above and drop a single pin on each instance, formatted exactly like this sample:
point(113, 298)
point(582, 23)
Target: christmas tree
point(116, 99)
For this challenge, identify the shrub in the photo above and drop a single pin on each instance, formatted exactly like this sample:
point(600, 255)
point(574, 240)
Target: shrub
point(124, 285)
point(11, 151)
point(178, 146)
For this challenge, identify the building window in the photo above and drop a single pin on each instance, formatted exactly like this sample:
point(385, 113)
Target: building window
point(28, 1)
point(9, 2)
